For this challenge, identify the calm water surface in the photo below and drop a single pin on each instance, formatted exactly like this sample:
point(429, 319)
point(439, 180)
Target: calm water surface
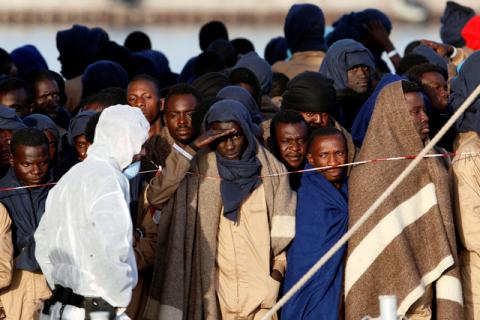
point(178, 42)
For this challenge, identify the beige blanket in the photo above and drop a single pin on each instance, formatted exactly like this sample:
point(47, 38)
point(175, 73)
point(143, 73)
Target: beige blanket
point(409, 242)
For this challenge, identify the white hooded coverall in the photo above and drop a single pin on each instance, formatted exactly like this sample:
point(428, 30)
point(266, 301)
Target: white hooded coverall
point(84, 240)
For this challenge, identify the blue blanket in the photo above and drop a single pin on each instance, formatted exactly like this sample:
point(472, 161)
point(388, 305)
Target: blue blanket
point(360, 124)
point(322, 218)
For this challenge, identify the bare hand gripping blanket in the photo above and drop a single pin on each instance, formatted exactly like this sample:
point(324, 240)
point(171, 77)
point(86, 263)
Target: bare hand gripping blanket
point(409, 242)
point(183, 285)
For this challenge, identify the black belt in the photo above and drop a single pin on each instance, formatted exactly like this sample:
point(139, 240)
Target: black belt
point(66, 296)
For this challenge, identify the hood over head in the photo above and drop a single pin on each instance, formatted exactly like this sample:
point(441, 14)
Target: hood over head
point(42, 122)
point(432, 56)
point(210, 32)
point(77, 47)
point(103, 74)
point(28, 57)
point(210, 84)
point(309, 92)
point(342, 56)
point(239, 177)
point(120, 133)
point(241, 95)
point(452, 22)
point(260, 67)
point(78, 124)
point(9, 119)
point(304, 28)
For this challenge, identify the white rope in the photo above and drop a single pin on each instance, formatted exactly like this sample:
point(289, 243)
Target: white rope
point(343, 240)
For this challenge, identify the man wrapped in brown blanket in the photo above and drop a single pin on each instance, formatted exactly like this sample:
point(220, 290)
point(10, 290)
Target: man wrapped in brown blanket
point(407, 248)
point(210, 226)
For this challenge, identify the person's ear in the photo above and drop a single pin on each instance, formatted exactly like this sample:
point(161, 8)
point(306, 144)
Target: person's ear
point(310, 159)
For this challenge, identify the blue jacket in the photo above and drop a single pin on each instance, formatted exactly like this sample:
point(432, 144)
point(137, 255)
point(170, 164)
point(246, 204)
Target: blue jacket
point(26, 207)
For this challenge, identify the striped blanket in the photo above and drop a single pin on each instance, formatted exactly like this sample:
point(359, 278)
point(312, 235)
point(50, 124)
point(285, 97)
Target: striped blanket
point(407, 248)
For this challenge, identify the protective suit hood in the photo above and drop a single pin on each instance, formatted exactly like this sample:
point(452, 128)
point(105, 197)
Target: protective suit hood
point(119, 135)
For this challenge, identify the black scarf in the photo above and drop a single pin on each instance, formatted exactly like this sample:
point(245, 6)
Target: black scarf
point(239, 177)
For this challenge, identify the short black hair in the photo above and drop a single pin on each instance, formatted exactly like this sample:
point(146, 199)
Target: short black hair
point(6, 62)
point(34, 76)
point(410, 61)
point(409, 86)
point(415, 73)
point(149, 78)
point(180, 89)
point(279, 84)
point(12, 84)
point(30, 137)
point(283, 116)
point(91, 126)
point(324, 132)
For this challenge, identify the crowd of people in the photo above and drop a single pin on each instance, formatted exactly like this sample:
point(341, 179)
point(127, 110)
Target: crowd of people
point(130, 191)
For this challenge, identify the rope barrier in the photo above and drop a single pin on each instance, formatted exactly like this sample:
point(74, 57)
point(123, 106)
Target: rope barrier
point(343, 240)
point(350, 164)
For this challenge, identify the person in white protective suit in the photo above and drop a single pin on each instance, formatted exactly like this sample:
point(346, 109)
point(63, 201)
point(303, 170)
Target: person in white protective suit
point(84, 240)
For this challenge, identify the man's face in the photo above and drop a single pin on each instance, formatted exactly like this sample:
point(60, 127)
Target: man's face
point(17, 99)
point(315, 119)
point(329, 151)
point(416, 108)
point(178, 117)
point(30, 164)
point(47, 98)
point(143, 94)
point(358, 78)
point(81, 146)
point(5, 137)
point(436, 88)
point(292, 143)
point(230, 147)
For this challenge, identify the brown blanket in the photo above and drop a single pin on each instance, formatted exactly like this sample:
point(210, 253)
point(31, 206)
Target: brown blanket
point(183, 285)
point(409, 242)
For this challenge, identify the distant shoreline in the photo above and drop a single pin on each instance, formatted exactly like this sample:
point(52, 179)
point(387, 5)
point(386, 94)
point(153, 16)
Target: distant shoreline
point(123, 16)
